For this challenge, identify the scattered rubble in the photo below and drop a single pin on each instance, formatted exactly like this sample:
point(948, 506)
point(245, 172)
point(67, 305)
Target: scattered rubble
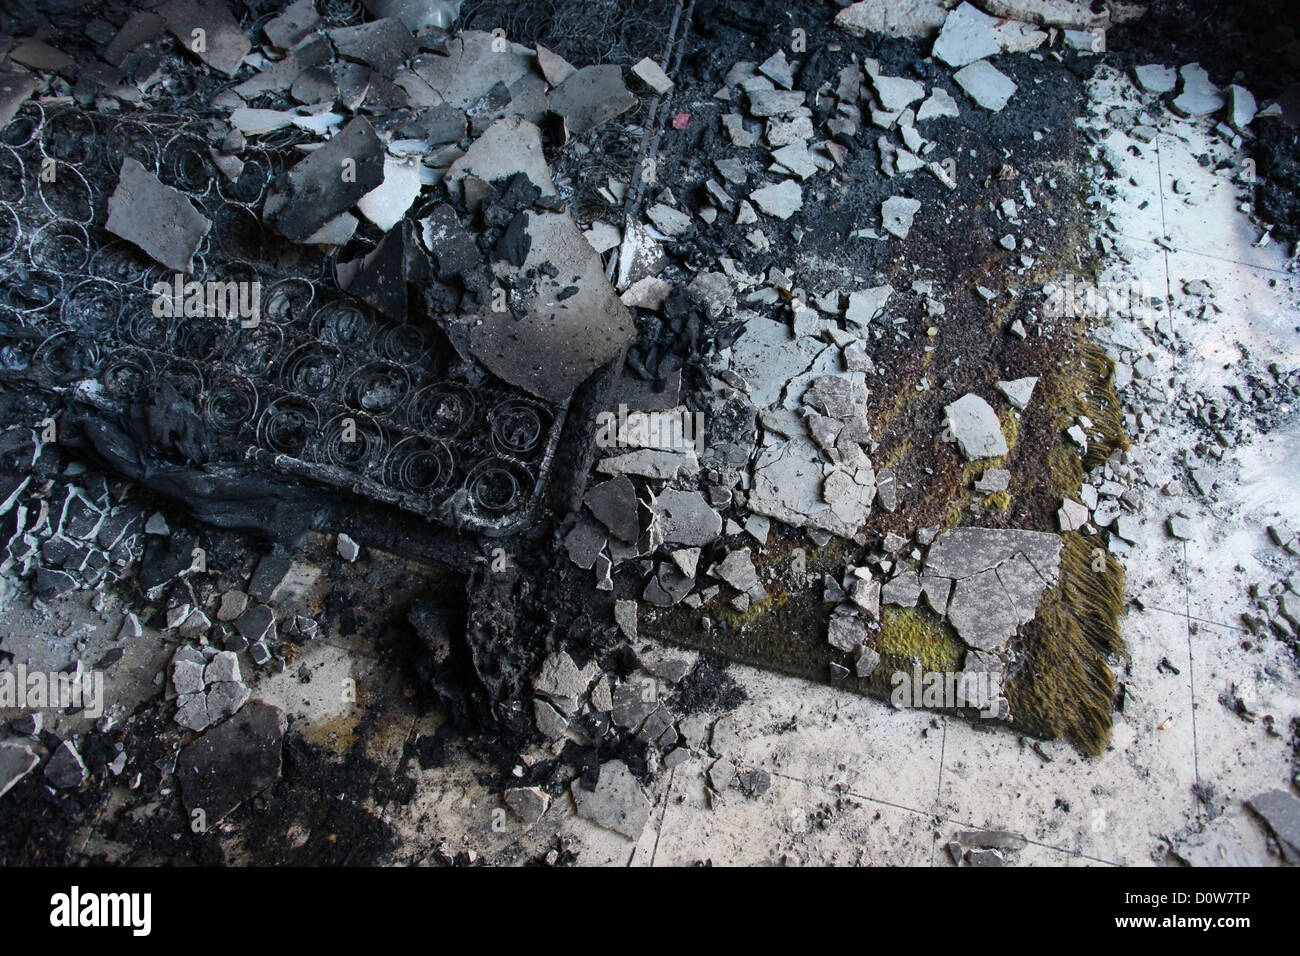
point(616, 802)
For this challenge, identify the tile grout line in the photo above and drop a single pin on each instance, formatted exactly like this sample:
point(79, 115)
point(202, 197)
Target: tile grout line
point(1199, 620)
point(1204, 255)
point(1164, 224)
point(965, 824)
point(1187, 596)
point(663, 816)
point(938, 790)
point(1191, 683)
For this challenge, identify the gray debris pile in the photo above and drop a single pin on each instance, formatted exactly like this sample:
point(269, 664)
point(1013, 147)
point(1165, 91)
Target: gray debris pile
point(987, 582)
point(60, 534)
point(580, 705)
point(788, 433)
point(207, 687)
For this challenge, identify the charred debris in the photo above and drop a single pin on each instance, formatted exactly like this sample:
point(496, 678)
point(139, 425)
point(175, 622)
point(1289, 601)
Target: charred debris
point(652, 338)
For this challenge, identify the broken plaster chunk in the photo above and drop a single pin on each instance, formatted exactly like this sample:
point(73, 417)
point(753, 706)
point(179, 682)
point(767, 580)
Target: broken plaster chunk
point(780, 200)
point(527, 803)
point(224, 699)
point(510, 145)
point(845, 630)
point(347, 549)
point(560, 681)
point(1072, 515)
point(614, 503)
point(1242, 107)
point(897, 214)
point(687, 559)
point(1076, 14)
point(865, 661)
point(975, 428)
point(650, 463)
point(604, 237)
point(1281, 811)
point(787, 133)
point(895, 18)
point(604, 573)
point(981, 612)
point(1199, 97)
point(962, 552)
point(866, 305)
point(625, 613)
point(652, 75)
point(256, 624)
point(903, 590)
point(233, 762)
point(896, 93)
point(714, 292)
point(986, 85)
point(326, 183)
point(669, 221)
point(550, 724)
point(16, 762)
point(686, 518)
point(993, 481)
point(865, 593)
point(734, 124)
point(387, 203)
point(797, 160)
point(1019, 391)
point(640, 256)
point(551, 344)
point(36, 55)
point(1156, 78)
point(789, 483)
point(938, 103)
point(737, 569)
point(383, 45)
point(585, 542)
point(967, 36)
point(256, 122)
point(65, 768)
point(156, 217)
point(292, 24)
point(616, 803)
point(590, 97)
point(668, 587)
point(649, 293)
point(765, 103)
point(937, 591)
point(554, 67)
point(209, 31)
point(223, 667)
point(187, 677)
point(778, 69)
